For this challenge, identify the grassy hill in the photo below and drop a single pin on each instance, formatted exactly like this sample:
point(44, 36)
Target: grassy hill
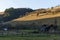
point(41, 14)
point(28, 27)
point(37, 18)
point(1, 13)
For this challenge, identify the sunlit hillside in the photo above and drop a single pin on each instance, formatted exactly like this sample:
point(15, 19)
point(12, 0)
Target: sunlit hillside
point(41, 14)
point(38, 18)
point(1, 13)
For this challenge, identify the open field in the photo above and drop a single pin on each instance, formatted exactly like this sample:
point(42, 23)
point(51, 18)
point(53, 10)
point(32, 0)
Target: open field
point(28, 35)
point(52, 37)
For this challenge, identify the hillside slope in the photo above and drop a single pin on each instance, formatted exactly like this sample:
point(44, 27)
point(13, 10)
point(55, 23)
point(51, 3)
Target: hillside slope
point(1, 13)
point(35, 17)
point(41, 14)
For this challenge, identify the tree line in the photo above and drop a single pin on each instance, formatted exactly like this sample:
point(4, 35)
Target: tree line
point(13, 13)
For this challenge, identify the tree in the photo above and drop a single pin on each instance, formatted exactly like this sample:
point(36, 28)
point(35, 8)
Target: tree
point(13, 13)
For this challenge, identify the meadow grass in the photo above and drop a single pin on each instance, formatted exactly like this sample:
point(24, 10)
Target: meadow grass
point(42, 37)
